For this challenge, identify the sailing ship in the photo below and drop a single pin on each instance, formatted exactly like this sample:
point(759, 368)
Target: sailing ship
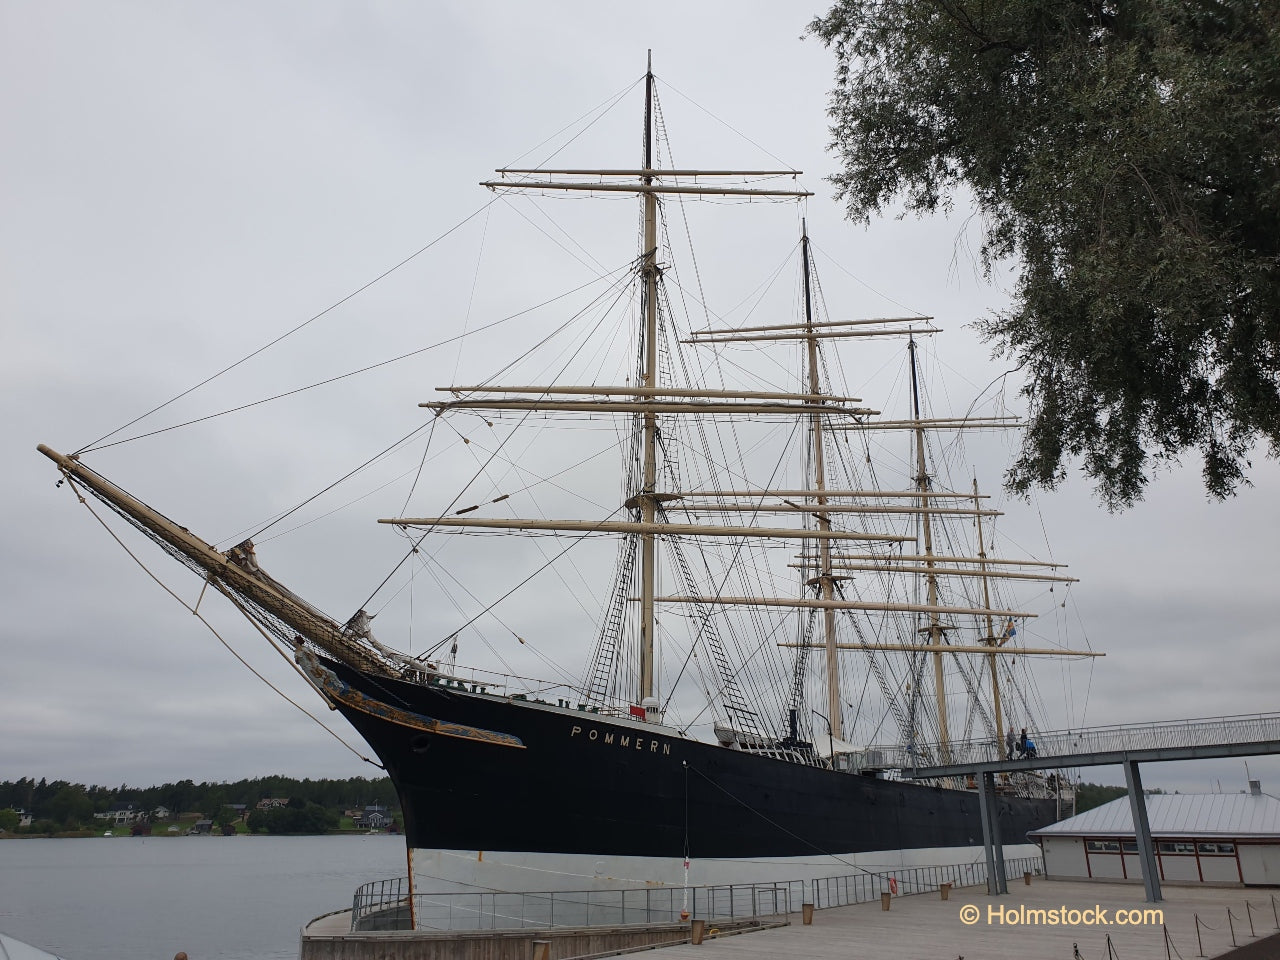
point(846, 583)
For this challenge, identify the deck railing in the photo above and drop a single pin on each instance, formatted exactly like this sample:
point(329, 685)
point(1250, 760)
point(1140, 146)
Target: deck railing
point(385, 903)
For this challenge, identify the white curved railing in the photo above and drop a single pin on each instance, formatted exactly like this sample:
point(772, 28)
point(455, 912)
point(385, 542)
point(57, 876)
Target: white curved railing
point(384, 904)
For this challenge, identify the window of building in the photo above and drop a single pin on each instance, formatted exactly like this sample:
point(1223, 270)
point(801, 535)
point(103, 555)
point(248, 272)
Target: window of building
point(1217, 848)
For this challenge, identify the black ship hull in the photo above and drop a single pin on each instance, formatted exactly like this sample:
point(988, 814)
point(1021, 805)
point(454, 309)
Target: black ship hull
point(564, 781)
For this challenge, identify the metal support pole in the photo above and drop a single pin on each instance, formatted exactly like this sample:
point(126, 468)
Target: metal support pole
point(997, 842)
point(413, 905)
point(1142, 830)
point(996, 883)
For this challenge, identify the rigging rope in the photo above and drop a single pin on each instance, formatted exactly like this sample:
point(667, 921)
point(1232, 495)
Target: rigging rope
point(71, 485)
point(724, 123)
point(347, 476)
point(414, 544)
point(611, 102)
point(775, 824)
point(326, 382)
point(386, 273)
point(574, 543)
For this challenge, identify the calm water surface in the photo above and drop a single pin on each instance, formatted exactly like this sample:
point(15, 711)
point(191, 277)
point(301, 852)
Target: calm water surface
point(217, 898)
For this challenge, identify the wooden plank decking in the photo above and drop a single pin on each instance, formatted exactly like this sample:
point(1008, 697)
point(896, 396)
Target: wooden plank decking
point(925, 927)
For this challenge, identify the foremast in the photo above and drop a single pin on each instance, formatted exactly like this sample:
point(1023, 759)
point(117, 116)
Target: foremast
point(648, 399)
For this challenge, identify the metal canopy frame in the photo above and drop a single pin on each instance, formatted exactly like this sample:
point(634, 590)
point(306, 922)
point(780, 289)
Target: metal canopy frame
point(984, 772)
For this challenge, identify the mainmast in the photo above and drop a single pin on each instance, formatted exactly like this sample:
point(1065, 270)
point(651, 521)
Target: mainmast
point(648, 490)
point(825, 580)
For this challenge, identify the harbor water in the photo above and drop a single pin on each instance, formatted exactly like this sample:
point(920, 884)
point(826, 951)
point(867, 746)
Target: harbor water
point(216, 898)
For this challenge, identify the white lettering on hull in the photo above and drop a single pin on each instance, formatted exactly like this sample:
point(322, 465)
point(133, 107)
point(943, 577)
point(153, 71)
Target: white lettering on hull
point(609, 738)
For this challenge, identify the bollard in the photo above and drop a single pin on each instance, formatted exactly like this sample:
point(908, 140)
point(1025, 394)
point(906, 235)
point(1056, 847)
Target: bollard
point(806, 912)
point(541, 950)
point(885, 899)
point(696, 930)
point(945, 890)
point(1026, 877)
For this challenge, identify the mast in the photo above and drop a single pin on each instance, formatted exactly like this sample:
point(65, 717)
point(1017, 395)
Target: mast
point(825, 581)
point(645, 400)
point(649, 302)
point(935, 628)
point(991, 632)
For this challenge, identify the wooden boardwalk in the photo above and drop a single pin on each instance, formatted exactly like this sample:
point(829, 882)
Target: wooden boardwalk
point(924, 927)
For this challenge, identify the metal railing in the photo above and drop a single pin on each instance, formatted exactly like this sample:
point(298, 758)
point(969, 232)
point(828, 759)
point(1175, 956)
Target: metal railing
point(864, 887)
point(381, 905)
point(490, 910)
point(385, 903)
point(1205, 732)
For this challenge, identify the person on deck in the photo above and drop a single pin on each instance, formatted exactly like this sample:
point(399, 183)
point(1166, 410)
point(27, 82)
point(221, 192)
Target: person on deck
point(1009, 742)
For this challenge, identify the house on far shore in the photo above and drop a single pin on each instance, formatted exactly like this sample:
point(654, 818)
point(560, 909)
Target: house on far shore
point(241, 809)
point(24, 818)
point(126, 812)
point(267, 803)
point(204, 827)
point(376, 821)
point(160, 813)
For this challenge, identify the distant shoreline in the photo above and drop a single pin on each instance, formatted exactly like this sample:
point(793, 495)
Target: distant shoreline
point(90, 835)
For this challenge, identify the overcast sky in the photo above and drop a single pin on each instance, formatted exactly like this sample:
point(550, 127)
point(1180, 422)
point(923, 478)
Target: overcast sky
point(184, 182)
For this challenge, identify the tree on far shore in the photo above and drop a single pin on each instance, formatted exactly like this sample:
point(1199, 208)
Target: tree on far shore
point(71, 806)
point(307, 818)
point(186, 796)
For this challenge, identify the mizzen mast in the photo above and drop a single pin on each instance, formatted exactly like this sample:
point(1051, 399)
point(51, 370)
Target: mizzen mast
point(991, 633)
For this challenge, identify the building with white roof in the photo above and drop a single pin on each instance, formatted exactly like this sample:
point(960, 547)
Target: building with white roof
point(1219, 838)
